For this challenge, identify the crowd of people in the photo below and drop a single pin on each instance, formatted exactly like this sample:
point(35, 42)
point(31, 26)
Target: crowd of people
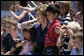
point(57, 30)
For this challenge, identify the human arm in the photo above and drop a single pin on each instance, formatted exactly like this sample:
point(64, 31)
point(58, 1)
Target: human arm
point(29, 22)
point(25, 8)
point(10, 52)
point(20, 44)
point(70, 45)
point(14, 33)
point(20, 17)
point(59, 40)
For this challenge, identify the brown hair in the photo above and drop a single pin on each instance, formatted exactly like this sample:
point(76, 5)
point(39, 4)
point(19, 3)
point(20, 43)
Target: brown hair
point(66, 4)
point(42, 9)
point(12, 21)
point(9, 20)
point(31, 29)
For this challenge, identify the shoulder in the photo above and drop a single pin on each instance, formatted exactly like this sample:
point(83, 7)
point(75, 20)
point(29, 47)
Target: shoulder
point(36, 25)
point(57, 23)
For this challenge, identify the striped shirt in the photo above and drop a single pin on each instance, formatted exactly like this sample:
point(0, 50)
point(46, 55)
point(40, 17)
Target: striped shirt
point(64, 48)
point(52, 36)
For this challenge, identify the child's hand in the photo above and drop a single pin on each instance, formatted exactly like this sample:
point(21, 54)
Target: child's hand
point(70, 32)
point(18, 45)
point(58, 30)
point(16, 39)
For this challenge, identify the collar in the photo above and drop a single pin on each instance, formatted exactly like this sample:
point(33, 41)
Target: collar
point(54, 22)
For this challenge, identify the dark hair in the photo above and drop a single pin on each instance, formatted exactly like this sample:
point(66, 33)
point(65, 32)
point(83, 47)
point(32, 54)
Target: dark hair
point(54, 8)
point(23, 3)
point(31, 29)
point(80, 2)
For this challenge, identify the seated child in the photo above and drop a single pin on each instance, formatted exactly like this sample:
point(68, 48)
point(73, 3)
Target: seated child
point(65, 39)
point(78, 44)
point(53, 12)
point(29, 41)
point(12, 36)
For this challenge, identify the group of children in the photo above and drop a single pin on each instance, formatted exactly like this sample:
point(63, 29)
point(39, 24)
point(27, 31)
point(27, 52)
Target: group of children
point(52, 33)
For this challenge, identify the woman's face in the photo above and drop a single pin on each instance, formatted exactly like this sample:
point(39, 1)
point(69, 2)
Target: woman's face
point(27, 35)
point(40, 17)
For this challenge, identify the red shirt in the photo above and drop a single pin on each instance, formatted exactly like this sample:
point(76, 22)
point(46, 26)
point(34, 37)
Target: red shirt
point(52, 36)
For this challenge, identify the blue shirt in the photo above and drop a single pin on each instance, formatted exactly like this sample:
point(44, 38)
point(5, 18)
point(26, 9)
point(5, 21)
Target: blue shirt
point(75, 52)
point(8, 41)
point(40, 36)
point(19, 36)
point(27, 17)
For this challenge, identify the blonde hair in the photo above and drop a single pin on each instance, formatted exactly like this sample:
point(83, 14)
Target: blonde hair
point(42, 9)
point(74, 25)
point(10, 20)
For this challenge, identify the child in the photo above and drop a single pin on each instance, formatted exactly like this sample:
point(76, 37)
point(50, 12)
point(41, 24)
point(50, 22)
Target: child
point(29, 41)
point(53, 12)
point(12, 37)
point(65, 39)
point(78, 44)
point(64, 12)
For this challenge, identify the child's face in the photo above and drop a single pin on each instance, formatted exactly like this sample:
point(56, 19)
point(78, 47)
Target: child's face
point(10, 28)
point(50, 16)
point(76, 42)
point(7, 27)
point(39, 16)
point(27, 35)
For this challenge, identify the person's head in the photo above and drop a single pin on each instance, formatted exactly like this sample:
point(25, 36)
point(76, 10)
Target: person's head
point(53, 11)
point(64, 7)
point(17, 2)
point(78, 39)
point(80, 5)
point(4, 20)
point(10, 24)
point(41, 13)
point(22, 3)
point(29, 32)
point(72, 28)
